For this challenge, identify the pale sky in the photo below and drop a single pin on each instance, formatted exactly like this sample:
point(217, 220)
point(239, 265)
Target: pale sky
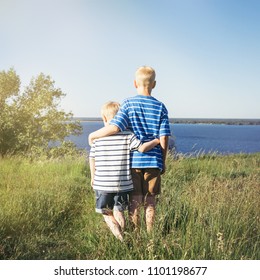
point(206, 53)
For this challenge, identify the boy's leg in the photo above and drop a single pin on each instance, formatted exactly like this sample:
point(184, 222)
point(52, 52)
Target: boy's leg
point(120, 218)
point(150, 203)
point(152, 187)
point(113, 225)
point(104, 205)
point(136, 197)
point(134, 209)
point(121, 200)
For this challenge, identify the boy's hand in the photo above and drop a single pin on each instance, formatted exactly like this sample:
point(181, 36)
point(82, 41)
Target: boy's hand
point(164, 169)
point(164, 145)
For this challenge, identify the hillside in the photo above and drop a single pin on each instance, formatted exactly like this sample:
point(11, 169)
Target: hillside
point(208, 209)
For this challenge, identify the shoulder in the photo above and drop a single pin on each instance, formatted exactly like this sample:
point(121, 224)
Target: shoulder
point(104, 139)
point(128, 101)
point(161, 104)
point(118, 135)
point(125, 133)
point(157, 101)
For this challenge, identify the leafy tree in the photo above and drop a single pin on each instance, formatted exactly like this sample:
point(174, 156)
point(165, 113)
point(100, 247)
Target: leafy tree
point(32, 118)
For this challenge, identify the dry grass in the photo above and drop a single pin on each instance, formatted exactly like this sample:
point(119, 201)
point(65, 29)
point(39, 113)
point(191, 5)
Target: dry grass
point(208, 209)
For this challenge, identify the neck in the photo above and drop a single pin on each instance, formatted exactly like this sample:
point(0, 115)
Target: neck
point(144, 91)
point(107, 121)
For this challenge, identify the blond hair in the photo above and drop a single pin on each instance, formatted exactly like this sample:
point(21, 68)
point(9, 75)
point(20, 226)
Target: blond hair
point(145, 76)
point(109, 109)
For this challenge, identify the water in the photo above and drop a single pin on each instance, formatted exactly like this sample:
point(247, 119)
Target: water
point(223, 139)
point(197, 138)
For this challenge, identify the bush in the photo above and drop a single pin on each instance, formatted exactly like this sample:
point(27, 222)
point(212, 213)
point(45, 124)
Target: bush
point(31, 119)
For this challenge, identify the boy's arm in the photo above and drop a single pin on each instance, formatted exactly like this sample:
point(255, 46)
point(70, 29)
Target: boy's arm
point(164, 145)
point(102, 132)
point(92, 169)
point(147, 146)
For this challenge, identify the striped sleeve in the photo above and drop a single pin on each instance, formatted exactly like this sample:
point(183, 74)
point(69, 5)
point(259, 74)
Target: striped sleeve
point(134, 142)
point(164, 124)
point(121, 119)
point(92, 150)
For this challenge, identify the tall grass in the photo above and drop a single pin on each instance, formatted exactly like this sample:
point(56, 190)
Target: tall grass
point(209, 209)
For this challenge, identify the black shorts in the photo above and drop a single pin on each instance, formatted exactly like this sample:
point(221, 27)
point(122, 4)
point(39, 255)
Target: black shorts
point(111, 201)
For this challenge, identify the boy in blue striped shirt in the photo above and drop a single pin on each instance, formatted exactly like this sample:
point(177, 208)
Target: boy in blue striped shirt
point(148, 119)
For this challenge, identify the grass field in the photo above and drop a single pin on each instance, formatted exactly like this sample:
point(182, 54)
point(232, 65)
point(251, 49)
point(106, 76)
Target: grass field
point(209, 209)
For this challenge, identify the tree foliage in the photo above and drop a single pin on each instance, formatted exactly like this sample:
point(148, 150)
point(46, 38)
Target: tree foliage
point(31, 119)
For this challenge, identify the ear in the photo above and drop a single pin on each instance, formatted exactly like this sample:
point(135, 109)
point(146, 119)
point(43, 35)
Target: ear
point(135, 84)
point(104, 118)
point(154, 84)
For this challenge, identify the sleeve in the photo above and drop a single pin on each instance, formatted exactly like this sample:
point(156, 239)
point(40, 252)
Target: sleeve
point(134, 143)
point(165, 129)
point(92, 150)
point(121, 119)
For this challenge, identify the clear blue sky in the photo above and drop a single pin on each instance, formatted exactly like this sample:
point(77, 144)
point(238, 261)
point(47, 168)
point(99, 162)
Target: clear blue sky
point(206, 52)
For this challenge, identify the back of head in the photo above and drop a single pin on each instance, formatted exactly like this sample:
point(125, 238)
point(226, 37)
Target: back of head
point(145, 76)
point(109, 109)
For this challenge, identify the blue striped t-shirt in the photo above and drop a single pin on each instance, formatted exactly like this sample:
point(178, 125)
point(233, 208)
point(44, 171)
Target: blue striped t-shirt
point(148, 119)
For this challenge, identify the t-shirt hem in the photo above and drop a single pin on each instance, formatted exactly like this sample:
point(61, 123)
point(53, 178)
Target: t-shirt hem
point(142, 167)
point(112, 191)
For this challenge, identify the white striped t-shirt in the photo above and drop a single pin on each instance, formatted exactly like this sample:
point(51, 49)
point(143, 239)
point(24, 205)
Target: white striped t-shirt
point(112, 161)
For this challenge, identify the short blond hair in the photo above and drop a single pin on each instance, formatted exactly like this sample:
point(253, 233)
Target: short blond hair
point(145, 76)
point(109, 109)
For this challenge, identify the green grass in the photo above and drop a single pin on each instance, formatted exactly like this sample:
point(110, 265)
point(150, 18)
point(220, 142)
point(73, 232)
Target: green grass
point(209, 209)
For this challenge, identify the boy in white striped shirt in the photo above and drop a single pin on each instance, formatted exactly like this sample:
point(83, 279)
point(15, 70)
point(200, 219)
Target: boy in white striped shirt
point(110, 170)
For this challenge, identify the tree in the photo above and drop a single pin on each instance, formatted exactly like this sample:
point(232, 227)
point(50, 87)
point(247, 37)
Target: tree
point(32, 118)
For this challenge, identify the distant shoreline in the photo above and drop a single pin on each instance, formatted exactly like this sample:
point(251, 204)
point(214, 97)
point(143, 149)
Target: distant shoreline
point(192, 121)
point(216, 121)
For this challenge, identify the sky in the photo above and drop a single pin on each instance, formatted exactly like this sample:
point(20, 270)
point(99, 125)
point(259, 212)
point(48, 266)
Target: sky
point(206, 53)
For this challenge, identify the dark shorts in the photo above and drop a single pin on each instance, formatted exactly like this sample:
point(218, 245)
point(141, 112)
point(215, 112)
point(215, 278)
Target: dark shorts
point(111, 201)
point(147, 181)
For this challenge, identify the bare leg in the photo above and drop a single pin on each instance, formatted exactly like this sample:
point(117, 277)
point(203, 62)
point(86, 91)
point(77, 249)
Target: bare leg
point(113, 226)
point(152, 181)
point(120, 218)
point(134, 209)
point(149, 206)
